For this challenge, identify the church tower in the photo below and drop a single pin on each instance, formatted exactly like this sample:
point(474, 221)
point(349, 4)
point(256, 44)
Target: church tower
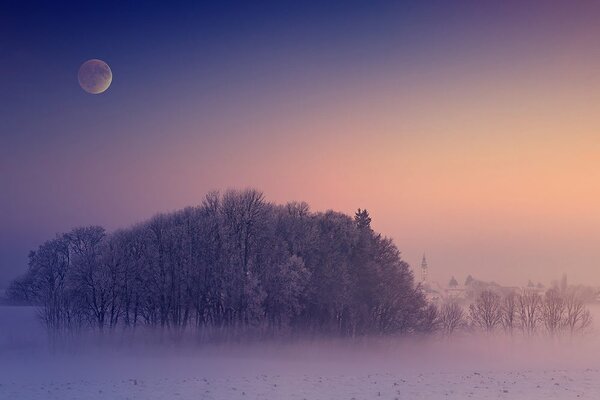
point(424, 270)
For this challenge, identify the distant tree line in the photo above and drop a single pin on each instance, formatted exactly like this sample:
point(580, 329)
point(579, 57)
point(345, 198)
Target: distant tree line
point(235, 262)
point(555, 313)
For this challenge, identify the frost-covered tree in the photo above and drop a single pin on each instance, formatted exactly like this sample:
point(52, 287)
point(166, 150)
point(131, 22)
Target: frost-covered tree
point(234, 262)
point(89, 277)
point(49, 285)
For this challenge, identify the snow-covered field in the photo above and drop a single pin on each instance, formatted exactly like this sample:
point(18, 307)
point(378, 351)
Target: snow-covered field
point(489, 368)
point(545, 384)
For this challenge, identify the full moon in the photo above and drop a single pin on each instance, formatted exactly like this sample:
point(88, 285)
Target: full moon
point(94, 76)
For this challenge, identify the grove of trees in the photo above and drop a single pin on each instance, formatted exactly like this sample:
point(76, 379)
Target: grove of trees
point(554, 313)
point(238, 263)
point(234, 262)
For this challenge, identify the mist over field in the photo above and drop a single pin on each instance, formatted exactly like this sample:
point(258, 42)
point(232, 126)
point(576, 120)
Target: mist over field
point(243, 298)
point(152, 366)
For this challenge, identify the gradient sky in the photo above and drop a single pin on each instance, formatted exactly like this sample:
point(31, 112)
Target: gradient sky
point(469, 130)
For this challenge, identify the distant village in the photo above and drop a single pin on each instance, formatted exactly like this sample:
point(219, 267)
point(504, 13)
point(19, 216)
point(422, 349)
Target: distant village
point(470, 288)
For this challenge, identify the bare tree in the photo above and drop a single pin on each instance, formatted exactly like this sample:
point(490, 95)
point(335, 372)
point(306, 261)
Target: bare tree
point(577, 317)
point(528, 309)
point(486, 312)
point(22, 291)
point(430, 322)
point(552, 311)
point(451, 317)
point(49, 276)
point(509, 312)
point(89, 279)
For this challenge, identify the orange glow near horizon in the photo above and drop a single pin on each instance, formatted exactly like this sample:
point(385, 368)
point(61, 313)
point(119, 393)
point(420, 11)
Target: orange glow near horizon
point(481, 151)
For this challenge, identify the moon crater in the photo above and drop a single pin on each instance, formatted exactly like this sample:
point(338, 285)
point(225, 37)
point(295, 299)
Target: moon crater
point(94, 76)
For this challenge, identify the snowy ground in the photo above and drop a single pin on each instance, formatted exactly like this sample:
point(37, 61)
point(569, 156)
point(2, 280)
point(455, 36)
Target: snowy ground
point(457, 369)
point(551, 384)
